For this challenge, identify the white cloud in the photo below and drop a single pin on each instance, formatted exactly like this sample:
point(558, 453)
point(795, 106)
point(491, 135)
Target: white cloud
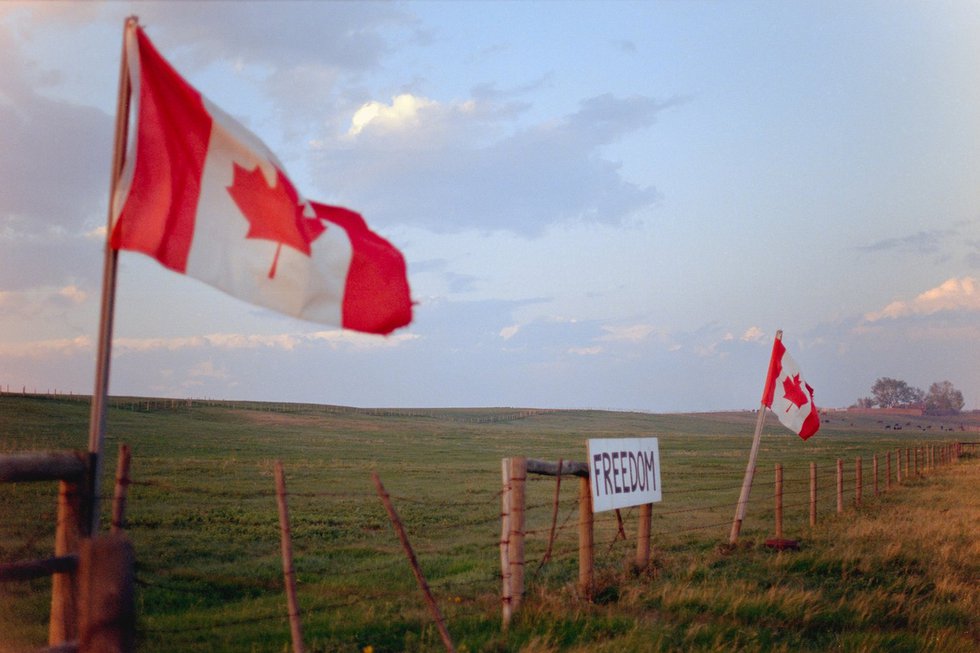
point(586, 351)
point(73, 294)
point(960, 295)
point(207, 370)
point(46, 348)
point(509, 332)
point(753, 334)
point(339, 338)
point(401, 114)
point(632, 333)
point(224, 341)
point(99, 233)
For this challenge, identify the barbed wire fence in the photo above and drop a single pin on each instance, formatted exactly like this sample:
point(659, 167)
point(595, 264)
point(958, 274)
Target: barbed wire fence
point(344, 537)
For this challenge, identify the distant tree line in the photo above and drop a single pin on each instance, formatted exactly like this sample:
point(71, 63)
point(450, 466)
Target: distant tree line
point(942, 398)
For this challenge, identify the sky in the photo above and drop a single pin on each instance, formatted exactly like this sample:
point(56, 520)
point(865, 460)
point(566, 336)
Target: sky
point(601, 205)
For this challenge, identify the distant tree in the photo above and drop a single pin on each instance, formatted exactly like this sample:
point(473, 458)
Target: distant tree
point(864, 402)
point(893, 393)
point(943, 399)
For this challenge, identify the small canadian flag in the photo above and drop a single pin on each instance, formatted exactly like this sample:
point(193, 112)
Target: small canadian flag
point(205, 197)
point(788, 395)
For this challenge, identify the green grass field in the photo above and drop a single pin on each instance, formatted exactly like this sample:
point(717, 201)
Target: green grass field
point(898, 573)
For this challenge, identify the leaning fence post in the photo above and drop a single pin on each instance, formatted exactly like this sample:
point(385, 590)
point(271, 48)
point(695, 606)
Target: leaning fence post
point(505, 592)
point(585, 537)
point(396, 522)
point(813, 494)
point(858, 482)
point(63, 624)
point(289, 574)
point(840, 486)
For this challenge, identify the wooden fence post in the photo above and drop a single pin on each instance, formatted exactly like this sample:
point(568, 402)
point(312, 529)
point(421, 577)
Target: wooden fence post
point(505, 593)
point(515, 546)
point(898, 466)
point(107, 606)
point(874, 465)
point(888, 471)
point(840, 486)
point(121, 490)
point(585, 538)
point(858, 482)
point(289, 574)
point(396, 522)
point(63, 624)
point(908, 463)
point(554, 516)
point(813, 494)
point(779, 501)
point(643, 537)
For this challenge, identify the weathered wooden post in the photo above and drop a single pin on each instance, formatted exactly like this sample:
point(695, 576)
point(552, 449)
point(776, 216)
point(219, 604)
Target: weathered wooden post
point(813, 494)
point(840, 486)
point(430, 601)
point(515, 546)
point(779, 501)
point(858, 481)
point(107, 606)
point(888, 471)
point(585, 538)
point(898, 466)
point(874, 464)
point(121, 490)
point(288, 572)
point(643, 537)
point(505, 592)
point(63, 625)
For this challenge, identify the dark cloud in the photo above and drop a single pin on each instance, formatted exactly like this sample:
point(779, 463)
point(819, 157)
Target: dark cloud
point(54, 155)
point(922, 242)
point(348, 35)
point(444, 173)
point(624, 45)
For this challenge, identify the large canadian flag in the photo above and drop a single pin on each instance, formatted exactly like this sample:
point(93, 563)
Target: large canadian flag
point(205, 197)
point(788, 395)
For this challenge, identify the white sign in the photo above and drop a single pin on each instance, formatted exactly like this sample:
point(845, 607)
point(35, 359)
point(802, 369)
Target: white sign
point(624, 472)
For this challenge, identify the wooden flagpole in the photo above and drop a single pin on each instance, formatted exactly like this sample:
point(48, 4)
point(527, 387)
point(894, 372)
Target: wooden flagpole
point(743, 497)
point(100, 393)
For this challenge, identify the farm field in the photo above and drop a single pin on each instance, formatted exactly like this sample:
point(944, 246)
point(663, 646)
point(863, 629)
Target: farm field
point(897, 573)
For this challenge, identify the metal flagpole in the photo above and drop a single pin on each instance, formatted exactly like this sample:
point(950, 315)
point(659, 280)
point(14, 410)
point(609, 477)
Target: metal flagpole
point(100, 393)
point(743, 497)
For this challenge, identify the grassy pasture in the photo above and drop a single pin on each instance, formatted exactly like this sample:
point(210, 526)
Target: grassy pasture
point(899, 573)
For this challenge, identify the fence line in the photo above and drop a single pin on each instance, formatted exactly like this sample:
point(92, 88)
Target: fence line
point(437, 539)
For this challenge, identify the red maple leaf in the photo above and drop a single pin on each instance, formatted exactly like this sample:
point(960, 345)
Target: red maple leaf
point(273, 212)
point(793, 392)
